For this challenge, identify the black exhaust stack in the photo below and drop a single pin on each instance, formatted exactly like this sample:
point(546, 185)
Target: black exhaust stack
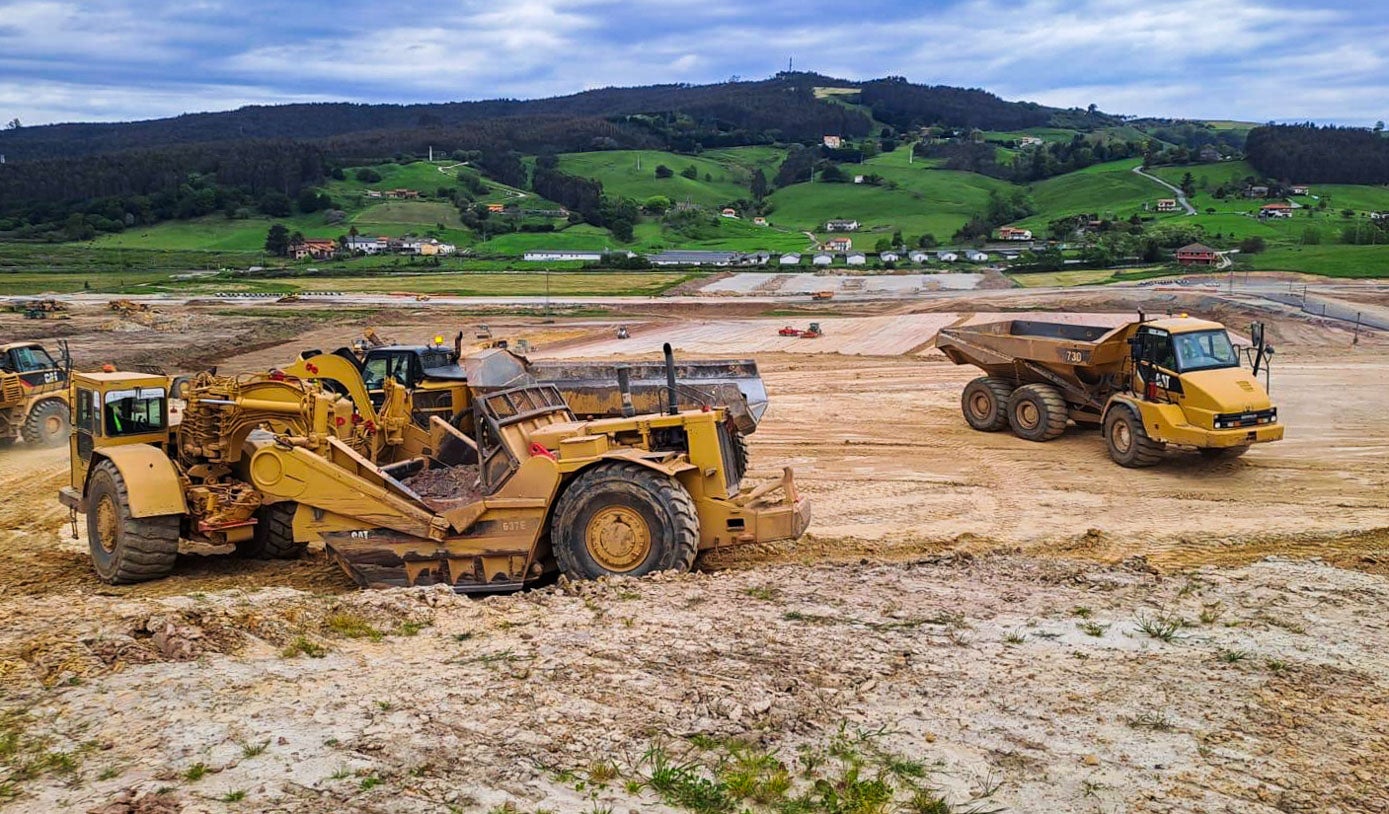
point(670, 379)
point(624, 386)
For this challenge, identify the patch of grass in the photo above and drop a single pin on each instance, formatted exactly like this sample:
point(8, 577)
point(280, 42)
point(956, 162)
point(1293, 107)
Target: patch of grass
point(1276, 665)
point(602, 772)
point(1082, 611)
point(341, 774)
point(305, 646)
point(1233, 656)
point(234, 796)
point(1162, 627)
point(1093, 628)
point(351, 626)
point(109, 773)
point(250, 750)
point(195, 772)
point(1210, 612)
point(409, 628)
point(1015, 637)
point(369, 782)
point(1156, 721)
point(766, 593)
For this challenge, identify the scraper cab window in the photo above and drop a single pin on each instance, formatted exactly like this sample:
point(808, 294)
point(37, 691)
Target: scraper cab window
point(134, 412)
point(392, 366)
point(1205, 350)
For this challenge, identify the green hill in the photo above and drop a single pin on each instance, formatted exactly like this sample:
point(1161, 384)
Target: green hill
point(720, 177)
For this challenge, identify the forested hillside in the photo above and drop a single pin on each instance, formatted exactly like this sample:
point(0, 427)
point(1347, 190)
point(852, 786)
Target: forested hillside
point(1328, 155)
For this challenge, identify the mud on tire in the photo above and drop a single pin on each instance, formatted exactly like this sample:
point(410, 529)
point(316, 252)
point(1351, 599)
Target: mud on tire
point(1127, 441)
point(48, 424)
point(985, 403)
point(124, 548)
point(1037, 412)
point(622, 518)
point(274, 534)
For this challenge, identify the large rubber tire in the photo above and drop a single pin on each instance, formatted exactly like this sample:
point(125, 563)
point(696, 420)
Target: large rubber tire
point(622, 518)
point(1127, 440)
point(1224, 453)
point(274, 534)
point(124, 548)
point(985, 403)
point(48, 424)
point(741, 456)
point(1037, 412)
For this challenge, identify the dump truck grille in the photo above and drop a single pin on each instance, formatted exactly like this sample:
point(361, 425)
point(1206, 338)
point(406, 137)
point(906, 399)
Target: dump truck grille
point(1230, 421)
point(11, 391)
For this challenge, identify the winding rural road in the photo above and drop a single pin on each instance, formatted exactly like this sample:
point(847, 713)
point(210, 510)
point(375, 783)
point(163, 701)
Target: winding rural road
point(1181, 196)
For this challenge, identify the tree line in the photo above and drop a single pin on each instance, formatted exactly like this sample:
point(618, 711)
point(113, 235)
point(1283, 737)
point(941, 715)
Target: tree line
point(1309, 154)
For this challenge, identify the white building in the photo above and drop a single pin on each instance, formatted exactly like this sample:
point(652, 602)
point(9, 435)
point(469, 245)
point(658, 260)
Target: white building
point(823, 259)
point(889, 257)
point(947, 257)
point(857, 258)
point(546, 255)
point(976, 256)
point(791, 259)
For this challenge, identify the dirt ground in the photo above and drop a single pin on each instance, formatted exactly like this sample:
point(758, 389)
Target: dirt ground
point(972, 619)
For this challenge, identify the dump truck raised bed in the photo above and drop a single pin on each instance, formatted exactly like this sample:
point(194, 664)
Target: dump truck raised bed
point(510, 489)
point(1149, 384)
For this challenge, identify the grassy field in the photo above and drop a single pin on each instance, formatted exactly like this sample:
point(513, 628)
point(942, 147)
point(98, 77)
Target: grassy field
point(632, 173)
point(1112, 190)
point(1332, 260)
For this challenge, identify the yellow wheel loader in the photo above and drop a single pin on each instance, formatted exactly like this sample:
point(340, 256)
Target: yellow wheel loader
point(33, 394)
point(511, 489)
point(1149, 384)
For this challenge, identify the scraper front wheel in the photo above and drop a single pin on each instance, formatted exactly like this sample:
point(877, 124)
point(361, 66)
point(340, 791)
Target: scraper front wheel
point(623, 518)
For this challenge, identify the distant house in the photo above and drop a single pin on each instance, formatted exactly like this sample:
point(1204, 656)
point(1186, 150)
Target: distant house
point(1197, 254)
point(1167, 205)
point(356, 244)
point(432, 248)
point(373, 193)
point(1031, 141)
point(858, 179)
point(834, 142)
point(857, 258)
point(1280, 209)
point(822, 259)
point(1014, 233)
point(839, 244)
point(790, 259)
point(1208, 154)
point(889, 257)
point(559, 255)
point(841, 226)
point(1256, 192)
point(693, 258)
point(976, 256)
point(402, 193)
point(754, 259)
point(319, 248)
point(729, 212)
point(1379, 215)
point(1300, 189)
point(759, 221)
point(947, 257)
point(918, 256)
point(496, 207)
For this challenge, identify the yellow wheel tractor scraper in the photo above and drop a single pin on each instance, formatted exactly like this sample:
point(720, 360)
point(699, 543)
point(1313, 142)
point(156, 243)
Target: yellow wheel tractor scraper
point(506, 489)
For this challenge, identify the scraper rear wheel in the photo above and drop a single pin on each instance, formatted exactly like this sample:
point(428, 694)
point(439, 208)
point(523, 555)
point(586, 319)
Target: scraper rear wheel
point(622, 518)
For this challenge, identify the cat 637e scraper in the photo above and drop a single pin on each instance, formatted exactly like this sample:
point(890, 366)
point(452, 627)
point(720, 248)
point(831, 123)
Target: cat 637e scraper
point(510, 490)
point(1150, 384)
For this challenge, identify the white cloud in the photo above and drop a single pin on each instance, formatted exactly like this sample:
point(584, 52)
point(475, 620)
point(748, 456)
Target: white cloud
point(52, 102)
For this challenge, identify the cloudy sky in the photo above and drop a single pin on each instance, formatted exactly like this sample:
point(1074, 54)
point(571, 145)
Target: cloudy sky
point(108, 60)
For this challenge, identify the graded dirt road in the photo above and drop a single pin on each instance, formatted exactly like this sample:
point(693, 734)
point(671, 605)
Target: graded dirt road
point(1001, 624)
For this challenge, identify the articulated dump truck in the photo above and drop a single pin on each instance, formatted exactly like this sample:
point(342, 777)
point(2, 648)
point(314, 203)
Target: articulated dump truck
point(1149, 384)
point(490, 497)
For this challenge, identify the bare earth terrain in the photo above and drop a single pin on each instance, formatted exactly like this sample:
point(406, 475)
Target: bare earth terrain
point(975, 620)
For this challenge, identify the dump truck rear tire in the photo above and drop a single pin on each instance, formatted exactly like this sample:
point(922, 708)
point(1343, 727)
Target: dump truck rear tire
point(274, 534)
point(48, 424)
point(1037, 412)
point(622, 518)
point(985, 403)
point(124, 548)
point(1128, 443)
point(1224, 453)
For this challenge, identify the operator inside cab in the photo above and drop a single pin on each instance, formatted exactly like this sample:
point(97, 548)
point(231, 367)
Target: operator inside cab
point(134, 412)
point(1205, 350)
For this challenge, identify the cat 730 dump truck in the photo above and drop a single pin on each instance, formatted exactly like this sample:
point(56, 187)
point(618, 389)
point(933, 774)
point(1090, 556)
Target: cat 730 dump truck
point(512, 489)
point(33, 394)
point(1149, 384)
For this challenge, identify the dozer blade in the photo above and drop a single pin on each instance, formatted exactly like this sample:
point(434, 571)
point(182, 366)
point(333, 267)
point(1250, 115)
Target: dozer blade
point(590, 388)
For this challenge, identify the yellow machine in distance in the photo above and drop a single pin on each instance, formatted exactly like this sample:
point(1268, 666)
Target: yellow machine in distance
point(1149, 384)
point(272, 462)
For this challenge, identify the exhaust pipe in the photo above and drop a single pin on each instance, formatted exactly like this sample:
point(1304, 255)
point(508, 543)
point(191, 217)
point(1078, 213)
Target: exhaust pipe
point(624, 386)
point(670, 379)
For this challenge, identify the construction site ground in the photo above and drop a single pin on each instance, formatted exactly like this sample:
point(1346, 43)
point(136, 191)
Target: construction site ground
point(976, 619)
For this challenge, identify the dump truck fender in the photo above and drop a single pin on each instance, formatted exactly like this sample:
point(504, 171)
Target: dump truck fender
point(150, 478)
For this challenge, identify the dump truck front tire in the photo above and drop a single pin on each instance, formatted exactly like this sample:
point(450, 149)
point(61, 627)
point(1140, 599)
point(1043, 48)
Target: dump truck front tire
point(1127, 441)
point(124, 548)
point(1037, 412)
point(626, 519)
point(274, 534)
point(48, 424)
point(985, 403)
